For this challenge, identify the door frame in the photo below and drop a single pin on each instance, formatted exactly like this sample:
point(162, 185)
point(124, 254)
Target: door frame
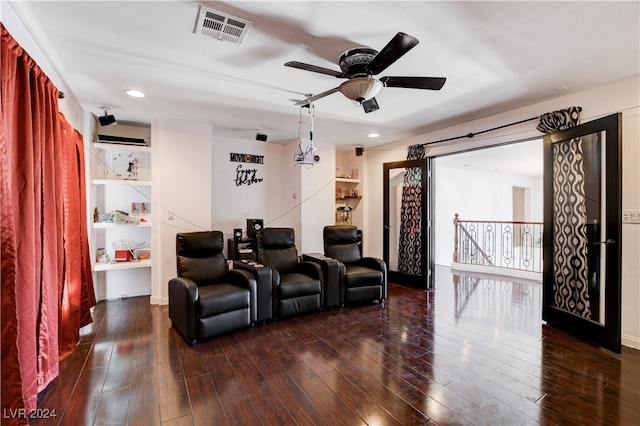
point(422, 280)
point(607, 335)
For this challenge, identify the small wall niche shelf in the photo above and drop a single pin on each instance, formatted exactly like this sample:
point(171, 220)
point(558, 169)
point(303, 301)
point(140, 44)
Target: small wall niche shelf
point(106, 225)
point(122, 265)
point(120, 177)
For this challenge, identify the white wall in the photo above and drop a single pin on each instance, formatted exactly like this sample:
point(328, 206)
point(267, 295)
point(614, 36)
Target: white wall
point(622, 96)
point(290, 195)
point(181, 154)
point(317, 195)
point(69, 105)
point(476, 196)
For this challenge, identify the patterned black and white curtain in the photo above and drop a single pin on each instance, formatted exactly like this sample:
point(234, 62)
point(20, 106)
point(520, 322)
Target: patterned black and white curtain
point(410, 244)
point(570, 243)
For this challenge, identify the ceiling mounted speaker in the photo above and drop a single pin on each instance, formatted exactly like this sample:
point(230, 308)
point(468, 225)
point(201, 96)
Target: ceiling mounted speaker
point(261, 137)
point(107, 119)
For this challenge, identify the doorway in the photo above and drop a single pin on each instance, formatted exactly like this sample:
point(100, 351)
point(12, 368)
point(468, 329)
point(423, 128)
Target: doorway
point(501, 183)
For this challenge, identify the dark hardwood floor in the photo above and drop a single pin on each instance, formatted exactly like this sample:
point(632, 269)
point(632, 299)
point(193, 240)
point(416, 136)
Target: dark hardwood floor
point(471, 352)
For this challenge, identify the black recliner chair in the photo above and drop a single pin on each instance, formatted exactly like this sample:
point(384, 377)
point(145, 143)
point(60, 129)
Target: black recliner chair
point(207, 299)
point(361, 279)
point(297, 286)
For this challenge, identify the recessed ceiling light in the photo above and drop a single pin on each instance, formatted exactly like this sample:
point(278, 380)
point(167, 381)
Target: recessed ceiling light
point(373, 135)
point(135, 93)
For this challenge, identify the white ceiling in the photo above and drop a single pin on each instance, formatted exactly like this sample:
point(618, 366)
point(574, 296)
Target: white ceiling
point(524, 158)
point(496, 56)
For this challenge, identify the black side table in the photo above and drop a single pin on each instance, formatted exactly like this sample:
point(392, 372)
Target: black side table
point(263, 277)
point(241, 249)
point(331, 270)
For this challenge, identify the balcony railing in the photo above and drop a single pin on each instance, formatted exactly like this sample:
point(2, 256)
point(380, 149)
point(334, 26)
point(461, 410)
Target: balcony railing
point(499, 246)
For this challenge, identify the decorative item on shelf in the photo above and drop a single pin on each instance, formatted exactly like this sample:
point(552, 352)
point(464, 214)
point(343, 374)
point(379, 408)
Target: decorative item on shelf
point(122, 217)
point(127, 250)
point(140, 208)
point(344, 215)
point(133, 167)
point(102, 256)
point(144, 253)
point(136, 209)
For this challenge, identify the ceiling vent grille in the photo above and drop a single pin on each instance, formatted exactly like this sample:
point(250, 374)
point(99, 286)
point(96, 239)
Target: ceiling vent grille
point(220, 25)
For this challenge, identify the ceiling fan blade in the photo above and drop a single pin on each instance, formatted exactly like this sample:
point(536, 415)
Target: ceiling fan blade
point(314, 68)
point(370, 105)
point(308, 101)
point(430, 83)
point(400, 44)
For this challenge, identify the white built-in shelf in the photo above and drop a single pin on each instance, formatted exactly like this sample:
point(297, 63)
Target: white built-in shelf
point(121, 182)
point(346, 180)
point(121, 147)
point(146, 263)
point(105, 225)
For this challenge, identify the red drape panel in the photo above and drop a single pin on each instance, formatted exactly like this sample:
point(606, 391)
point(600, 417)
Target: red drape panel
point(76, 293)
point(47, 287)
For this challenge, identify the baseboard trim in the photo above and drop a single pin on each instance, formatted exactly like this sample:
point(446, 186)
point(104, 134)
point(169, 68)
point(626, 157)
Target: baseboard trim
point(493, 270)
point(630, 341)
point(158, 300)
point(135, 293)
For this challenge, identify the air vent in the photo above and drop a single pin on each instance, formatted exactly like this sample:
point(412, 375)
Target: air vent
point(221, 25)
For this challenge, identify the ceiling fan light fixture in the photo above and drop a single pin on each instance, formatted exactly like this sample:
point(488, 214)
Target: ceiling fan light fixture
point(361, 89)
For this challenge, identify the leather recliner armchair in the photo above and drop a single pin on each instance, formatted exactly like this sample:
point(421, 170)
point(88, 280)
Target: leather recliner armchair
point(297, 286)
point(361, 278)
point(207, 299)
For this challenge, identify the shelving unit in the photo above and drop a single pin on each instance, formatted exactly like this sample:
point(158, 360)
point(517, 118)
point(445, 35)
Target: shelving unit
point(120, 178)
point(348, 196)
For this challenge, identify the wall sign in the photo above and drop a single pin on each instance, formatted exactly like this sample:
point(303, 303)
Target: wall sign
point(246, 176)
point(246, 158)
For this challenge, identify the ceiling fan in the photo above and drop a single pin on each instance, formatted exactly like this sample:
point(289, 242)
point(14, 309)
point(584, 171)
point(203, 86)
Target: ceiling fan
point(361, 64)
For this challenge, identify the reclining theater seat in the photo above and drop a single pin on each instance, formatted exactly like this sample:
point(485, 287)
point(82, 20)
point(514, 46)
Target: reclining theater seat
point(207, 299)
point(297, 286)
point(362, 279)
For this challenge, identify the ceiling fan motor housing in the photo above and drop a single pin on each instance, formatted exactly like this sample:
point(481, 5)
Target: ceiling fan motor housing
point(353, 62)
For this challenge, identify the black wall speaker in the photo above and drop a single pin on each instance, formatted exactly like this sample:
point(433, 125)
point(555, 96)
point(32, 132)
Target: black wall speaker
point(253, 226)
point(237, 234)
point(107, 120)
point(359, 151)
point(261, 137)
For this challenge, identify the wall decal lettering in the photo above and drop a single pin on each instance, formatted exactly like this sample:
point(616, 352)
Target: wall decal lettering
point(246, 176)
point(246, 158)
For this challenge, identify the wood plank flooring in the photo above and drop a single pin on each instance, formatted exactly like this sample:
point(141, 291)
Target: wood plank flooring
point(471, 352)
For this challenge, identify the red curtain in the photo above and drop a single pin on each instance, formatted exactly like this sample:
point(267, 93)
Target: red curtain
point(47, 288)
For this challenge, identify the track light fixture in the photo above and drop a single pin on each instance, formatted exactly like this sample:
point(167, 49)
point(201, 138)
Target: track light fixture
point(106, 119)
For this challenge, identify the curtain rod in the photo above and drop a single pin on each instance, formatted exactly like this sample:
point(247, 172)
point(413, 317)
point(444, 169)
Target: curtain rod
point(470, 135)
